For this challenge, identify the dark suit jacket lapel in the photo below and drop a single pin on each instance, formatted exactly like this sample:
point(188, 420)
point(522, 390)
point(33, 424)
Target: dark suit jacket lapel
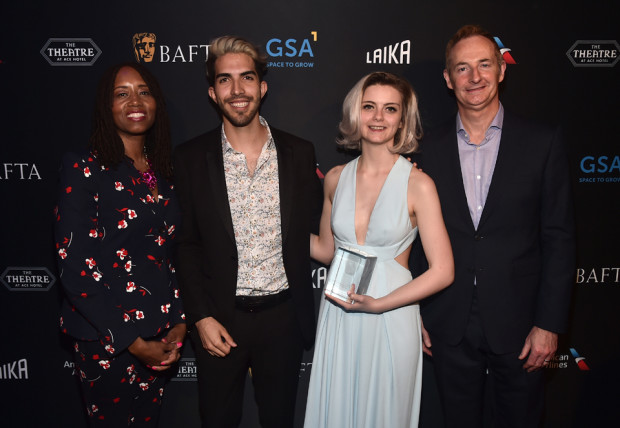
point(503, 169)
point(286, 175)
point(217, 180)
point(455, 175)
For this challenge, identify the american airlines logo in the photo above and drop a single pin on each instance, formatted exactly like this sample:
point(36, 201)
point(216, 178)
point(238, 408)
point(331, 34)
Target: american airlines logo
point(505, 52)
point(579, 360)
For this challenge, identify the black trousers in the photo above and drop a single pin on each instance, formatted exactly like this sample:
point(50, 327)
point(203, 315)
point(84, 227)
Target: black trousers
point(462, 372)
point(269, 344)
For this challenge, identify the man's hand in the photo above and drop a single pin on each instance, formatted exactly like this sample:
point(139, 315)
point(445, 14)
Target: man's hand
point(426, 341)
point(214, 337)
point(541, 346)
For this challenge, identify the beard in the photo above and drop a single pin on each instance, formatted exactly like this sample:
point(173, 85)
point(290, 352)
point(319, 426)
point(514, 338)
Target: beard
point(239, 119)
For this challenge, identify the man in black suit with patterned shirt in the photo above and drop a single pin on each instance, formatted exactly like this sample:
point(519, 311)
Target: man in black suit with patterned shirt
point(250, 197)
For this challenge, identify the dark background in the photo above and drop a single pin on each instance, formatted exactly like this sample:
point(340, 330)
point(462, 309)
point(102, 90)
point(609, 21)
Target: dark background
point(46, 110)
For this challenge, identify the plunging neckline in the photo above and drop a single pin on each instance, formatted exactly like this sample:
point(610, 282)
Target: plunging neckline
point(387, 177)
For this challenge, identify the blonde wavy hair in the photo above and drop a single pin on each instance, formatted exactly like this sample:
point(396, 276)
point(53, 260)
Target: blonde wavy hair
point(234, 44)
point(408, 135)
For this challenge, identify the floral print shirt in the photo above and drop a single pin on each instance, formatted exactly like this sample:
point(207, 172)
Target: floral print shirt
point(113, 244)
point(254, 202)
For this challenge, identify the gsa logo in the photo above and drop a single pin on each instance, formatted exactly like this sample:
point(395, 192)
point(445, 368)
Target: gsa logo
point(291, 53)
point(290, 48)
point(600, 165)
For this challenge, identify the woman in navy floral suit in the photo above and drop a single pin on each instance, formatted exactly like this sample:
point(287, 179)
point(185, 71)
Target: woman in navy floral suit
point(115, 223)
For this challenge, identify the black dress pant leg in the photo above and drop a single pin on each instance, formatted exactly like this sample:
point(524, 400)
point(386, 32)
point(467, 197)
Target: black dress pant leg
point(462, 371)
point(269, 344)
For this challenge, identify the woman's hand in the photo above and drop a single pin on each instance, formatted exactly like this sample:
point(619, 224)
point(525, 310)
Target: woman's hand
point(358, 302)
point(176, 335)
point(159, 355)
point(153, 353)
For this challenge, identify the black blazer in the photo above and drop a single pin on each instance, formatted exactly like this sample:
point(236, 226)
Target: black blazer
point(523, 252)
point(206, 252)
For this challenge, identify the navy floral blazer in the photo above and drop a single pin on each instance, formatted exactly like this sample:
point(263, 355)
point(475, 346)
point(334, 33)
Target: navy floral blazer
point(114, 250)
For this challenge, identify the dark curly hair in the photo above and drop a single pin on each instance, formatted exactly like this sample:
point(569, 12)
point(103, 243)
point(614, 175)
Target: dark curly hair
point(104, 138)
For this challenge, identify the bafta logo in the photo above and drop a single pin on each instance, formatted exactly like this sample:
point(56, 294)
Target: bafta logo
point(144, 46)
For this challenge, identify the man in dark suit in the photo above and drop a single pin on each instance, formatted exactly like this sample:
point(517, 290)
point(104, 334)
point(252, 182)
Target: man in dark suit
point(250, 197)
point(504, 189)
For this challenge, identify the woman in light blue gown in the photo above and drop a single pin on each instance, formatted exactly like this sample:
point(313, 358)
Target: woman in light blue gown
point(366, 370)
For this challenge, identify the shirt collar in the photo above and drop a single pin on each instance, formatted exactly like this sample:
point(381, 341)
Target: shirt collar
point(496, 124)
point(226, 146)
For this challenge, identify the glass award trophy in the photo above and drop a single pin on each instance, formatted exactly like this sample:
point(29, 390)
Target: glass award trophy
point(349, 266)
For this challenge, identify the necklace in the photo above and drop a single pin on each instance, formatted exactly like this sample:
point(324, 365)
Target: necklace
point(148, 176)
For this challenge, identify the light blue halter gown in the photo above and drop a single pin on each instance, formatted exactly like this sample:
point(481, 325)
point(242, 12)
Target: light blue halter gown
point(367, 368)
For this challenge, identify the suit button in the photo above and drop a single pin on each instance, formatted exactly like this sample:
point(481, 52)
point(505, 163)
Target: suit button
point(478, 237)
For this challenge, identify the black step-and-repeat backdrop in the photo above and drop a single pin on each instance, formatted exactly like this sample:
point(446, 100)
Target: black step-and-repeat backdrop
point(562, 67)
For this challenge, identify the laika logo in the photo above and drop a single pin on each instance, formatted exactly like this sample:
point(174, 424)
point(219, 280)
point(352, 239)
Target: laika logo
point(398, 53)
point(145, 49)
point(594, 53)
point(603, 166)
point(144, 46)
point(27, 279)
point(319, 276)
point(505, 52)
point(70, 52)
point(14, 370)
point(305, 369)
point(581, 361)
point(298, 51)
